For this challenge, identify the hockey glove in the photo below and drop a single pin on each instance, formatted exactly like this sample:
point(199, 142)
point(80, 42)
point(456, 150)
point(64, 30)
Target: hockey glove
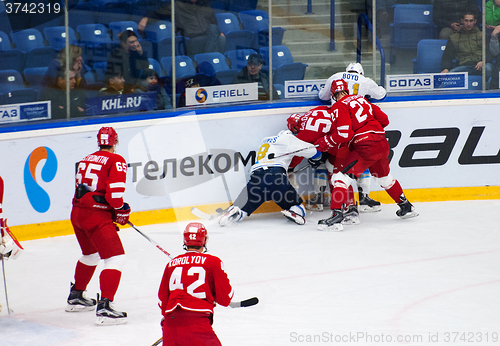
point(315, 163)
point(325, 143)
point(121, 215)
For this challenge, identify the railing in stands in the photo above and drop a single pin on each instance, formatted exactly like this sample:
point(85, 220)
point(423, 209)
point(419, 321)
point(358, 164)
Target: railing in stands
point(361, 17)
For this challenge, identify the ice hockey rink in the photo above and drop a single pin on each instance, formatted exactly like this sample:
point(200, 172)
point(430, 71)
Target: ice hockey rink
point(431, 280)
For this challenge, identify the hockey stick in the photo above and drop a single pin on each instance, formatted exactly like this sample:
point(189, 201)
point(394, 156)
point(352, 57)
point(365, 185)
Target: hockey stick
point(158, 342)
point(5, 285)
point(150, 240)
point(348, 167)
point(301, 169)
point(245, 303)
point(202, 215)
point(272, 156)
point(242, 304)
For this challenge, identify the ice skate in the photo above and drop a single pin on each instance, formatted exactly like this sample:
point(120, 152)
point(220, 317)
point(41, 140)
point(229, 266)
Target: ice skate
point(232, 215)
point(292, 216)
point(77, 302)
point(368, 205)
point(333, 223)
point(351, 216)
point(406, 209)
point(316, 203)
point(106, 315)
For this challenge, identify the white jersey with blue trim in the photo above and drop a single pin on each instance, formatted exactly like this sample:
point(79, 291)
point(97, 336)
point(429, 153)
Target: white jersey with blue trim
point(272, 151)
point(357, 84)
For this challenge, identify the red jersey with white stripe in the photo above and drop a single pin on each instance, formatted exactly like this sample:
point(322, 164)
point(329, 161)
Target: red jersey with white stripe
point(357, 119)
point(105, 174)
point(194, 281)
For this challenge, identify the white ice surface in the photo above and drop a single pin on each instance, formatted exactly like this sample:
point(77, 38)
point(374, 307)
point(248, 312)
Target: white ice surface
point(375, 282)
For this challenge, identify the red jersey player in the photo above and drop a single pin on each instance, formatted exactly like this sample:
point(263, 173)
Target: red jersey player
point(191, 285)
point(361, 125)
point(9, 246)
point(97, 205)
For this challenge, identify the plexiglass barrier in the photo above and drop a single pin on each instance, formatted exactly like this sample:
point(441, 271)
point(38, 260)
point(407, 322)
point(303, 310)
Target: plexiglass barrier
point(76, 59)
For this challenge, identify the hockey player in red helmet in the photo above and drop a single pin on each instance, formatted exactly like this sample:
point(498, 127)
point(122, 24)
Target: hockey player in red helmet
point(97, 205)
point(359, 128)
point(293, 123)
point(192, 284)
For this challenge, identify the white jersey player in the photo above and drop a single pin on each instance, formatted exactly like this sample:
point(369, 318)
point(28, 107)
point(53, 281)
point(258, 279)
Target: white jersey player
point(269, 179)
point(357, 83)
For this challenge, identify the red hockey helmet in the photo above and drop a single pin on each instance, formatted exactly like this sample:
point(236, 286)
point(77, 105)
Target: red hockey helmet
point(338, 86)
point(107, 136)
point(195, 234)
point(293, 123)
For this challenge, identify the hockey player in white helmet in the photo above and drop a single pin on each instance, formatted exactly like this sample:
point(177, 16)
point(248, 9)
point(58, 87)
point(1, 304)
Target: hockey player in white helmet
point(358, 84)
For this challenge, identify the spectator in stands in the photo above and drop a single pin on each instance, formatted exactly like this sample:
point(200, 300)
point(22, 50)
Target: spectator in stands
point(56, 93)
point(191, 82)
point(75, 64)
point(252, 73)
point(115, 83)
point(492, 13)
point(194, 19)
point(447, 15)
point(129, 58)
point(150, 82)
point(495, 51)
point(465, 46)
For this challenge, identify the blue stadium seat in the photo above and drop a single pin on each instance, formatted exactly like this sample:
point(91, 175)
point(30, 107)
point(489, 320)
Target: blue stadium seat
point(12, 86)
point(226, 76)
point(475, 82)
point(12, 60)
point(227, 22)
point(92, 34)
point(40, 57)
point(280, 89)
point(284, 67)
point(215, 59)
point(100, 70)
point(155, 65)
point(294, 71)
point(184, 66)
point(28, 39)
point(239, 57)
point(412, 23)
point(220, 5)
point(56, 36)
point(164, 46)
point(118, 27)
point(429, 54)
point(281, 56)
point(257, 21)
point(34, 76)
point(5, 43)
point(158, 30)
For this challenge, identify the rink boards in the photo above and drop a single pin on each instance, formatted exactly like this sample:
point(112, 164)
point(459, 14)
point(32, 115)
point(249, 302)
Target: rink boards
point(440, 150)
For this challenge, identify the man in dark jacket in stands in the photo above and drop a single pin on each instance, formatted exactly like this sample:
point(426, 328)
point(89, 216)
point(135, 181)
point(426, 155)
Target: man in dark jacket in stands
point(447, 15)
point(252, 74)
point(129, 59)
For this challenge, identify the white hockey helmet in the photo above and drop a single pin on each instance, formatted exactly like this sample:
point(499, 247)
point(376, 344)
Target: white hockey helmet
point(355, 67)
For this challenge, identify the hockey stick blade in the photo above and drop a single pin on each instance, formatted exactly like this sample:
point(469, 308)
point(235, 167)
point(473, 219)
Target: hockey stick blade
point(245, 303)
point(202, 215)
